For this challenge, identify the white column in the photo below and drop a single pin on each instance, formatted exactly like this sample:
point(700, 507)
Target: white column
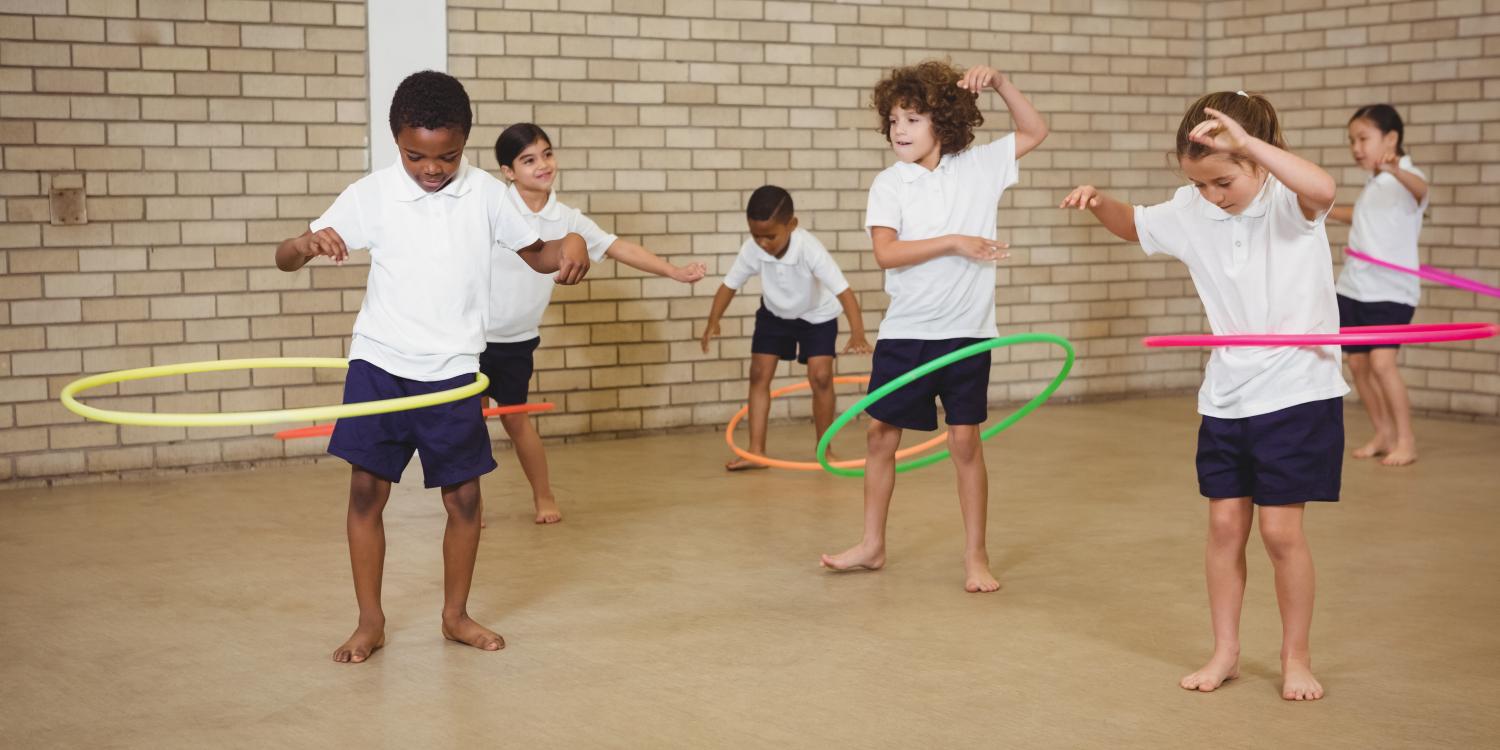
point(404, 36)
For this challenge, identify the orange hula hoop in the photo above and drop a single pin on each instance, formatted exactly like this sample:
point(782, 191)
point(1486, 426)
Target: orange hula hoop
point(777, 463)
point(320, 430)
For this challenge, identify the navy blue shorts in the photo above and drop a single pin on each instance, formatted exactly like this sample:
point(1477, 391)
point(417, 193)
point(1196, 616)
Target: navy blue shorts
point(1352, 312)
point(793, 339)
point(509, 367)
point(962, 386)
point(1289, 456)
point(451, 438)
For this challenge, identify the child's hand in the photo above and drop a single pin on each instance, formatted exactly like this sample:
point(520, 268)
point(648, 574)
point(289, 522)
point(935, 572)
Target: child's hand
point(978, 77)
point(1389, 164)
point(1221, 133)
point(857, 345)
point(689, 273)
point(327, 242)
point(979, 248)
point(574, 264)
point(709, 331)
point(1083, 196)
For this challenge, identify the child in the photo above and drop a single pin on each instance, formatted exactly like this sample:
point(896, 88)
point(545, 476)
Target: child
point(1387, 220)
point(931, 219)
point(1250, 229)
point(519, 297)
point(802, 291)
point(429, 222)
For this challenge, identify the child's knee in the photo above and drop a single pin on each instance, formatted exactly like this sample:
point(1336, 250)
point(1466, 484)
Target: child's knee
point(964, 442)
point(463, 502)
point(881, 435)
point(1281, 540)
point(821, 380)
point(761, 374)
point(1227, 532)
point(1359, 364)
point(514, 423)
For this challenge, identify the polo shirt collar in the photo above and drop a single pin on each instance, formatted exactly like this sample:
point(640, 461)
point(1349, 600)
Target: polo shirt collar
point(552, 211)
point(407, 190)
point(1257, 208)
point(909, 171)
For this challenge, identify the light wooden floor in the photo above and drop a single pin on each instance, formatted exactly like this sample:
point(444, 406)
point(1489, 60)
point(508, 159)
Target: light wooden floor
point(680, 607)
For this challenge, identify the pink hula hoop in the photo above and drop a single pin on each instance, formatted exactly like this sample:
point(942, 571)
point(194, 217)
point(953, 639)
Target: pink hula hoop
point(1423, 333)
point(1431, 274)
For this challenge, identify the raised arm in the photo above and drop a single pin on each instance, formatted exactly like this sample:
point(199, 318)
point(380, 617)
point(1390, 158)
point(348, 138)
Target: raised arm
point(1031, 129)
point(1314, 187)
point(1409, 180)
point(1117, 217)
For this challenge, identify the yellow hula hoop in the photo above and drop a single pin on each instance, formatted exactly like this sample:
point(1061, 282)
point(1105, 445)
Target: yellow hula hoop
point(242, 418)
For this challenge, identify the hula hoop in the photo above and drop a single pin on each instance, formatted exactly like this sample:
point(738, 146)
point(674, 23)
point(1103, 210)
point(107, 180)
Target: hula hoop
point(941, 362)
point(319, 430)
point(778, 463)
point(1417, 333)
point(242, 418)
point(1429, 273)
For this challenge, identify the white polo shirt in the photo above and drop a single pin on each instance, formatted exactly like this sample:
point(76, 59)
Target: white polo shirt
point(949, 296)
point(424, 311)
point(800, 285)
point(1387, 223)
point(1266, 270)
point(519, 295)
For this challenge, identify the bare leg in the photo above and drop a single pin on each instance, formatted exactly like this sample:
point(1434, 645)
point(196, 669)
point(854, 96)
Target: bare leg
point(460, 549)
point(1370, 395)
point(973, 501)
point(880, 481)
point(1281, 530)
point(1224, 563)
point(762, 370)
point(820, 375)
point(533, 458)
point(1387, 378)
point(366, 528)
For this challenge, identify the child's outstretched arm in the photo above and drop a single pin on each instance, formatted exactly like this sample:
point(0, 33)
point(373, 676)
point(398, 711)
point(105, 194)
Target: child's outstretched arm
point(721, 303)
point(567, 257)
point(1031, 129)
point(893, 253)
point(857, 342)
point(294, 253)
point(1314, 187)
point(1117, 217)
point(641, 259)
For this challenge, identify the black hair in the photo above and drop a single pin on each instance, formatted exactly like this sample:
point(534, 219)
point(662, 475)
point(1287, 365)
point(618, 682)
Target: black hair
point(1383, 116)
point(515, 139)
point(769, 202)
point(431, 100)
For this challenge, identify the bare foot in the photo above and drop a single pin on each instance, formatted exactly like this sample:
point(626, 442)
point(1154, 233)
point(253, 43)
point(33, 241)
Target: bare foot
point(464, 630)
point(1404, 454)
point(1219, 670)
point(547, 511)
point(856, 558)
point(977, 576)
point(367, 639)
point(1376, 447)
point(741, 464)
point(1298, 683)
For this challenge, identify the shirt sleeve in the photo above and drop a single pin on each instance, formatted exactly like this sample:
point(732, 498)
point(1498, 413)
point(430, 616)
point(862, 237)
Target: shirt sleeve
point(512, 231)
point(998, 160)
point(346, 218)
point(823, 267)
point(740, 272)
point(1157, 227)
point(884, 207)
point(595, 238)
point(1286, 203)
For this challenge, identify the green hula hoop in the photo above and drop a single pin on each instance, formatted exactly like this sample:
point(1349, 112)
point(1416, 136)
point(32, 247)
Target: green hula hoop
point(239, 418)
point(941, 362)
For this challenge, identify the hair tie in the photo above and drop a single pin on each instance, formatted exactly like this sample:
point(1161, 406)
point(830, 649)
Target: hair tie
point(1241, 93)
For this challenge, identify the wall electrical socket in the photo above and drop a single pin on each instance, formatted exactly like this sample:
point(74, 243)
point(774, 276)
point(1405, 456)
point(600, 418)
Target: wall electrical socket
point(69, 206)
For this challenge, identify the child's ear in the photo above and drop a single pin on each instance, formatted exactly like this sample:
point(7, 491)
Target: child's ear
point(510, 174)
point(791, 226)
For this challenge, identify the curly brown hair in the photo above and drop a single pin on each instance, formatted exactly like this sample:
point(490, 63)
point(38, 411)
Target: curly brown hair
point(931, 88)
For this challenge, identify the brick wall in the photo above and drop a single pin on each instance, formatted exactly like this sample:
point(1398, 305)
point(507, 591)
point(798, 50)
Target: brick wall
point(204, 131)
point(1438, 63)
